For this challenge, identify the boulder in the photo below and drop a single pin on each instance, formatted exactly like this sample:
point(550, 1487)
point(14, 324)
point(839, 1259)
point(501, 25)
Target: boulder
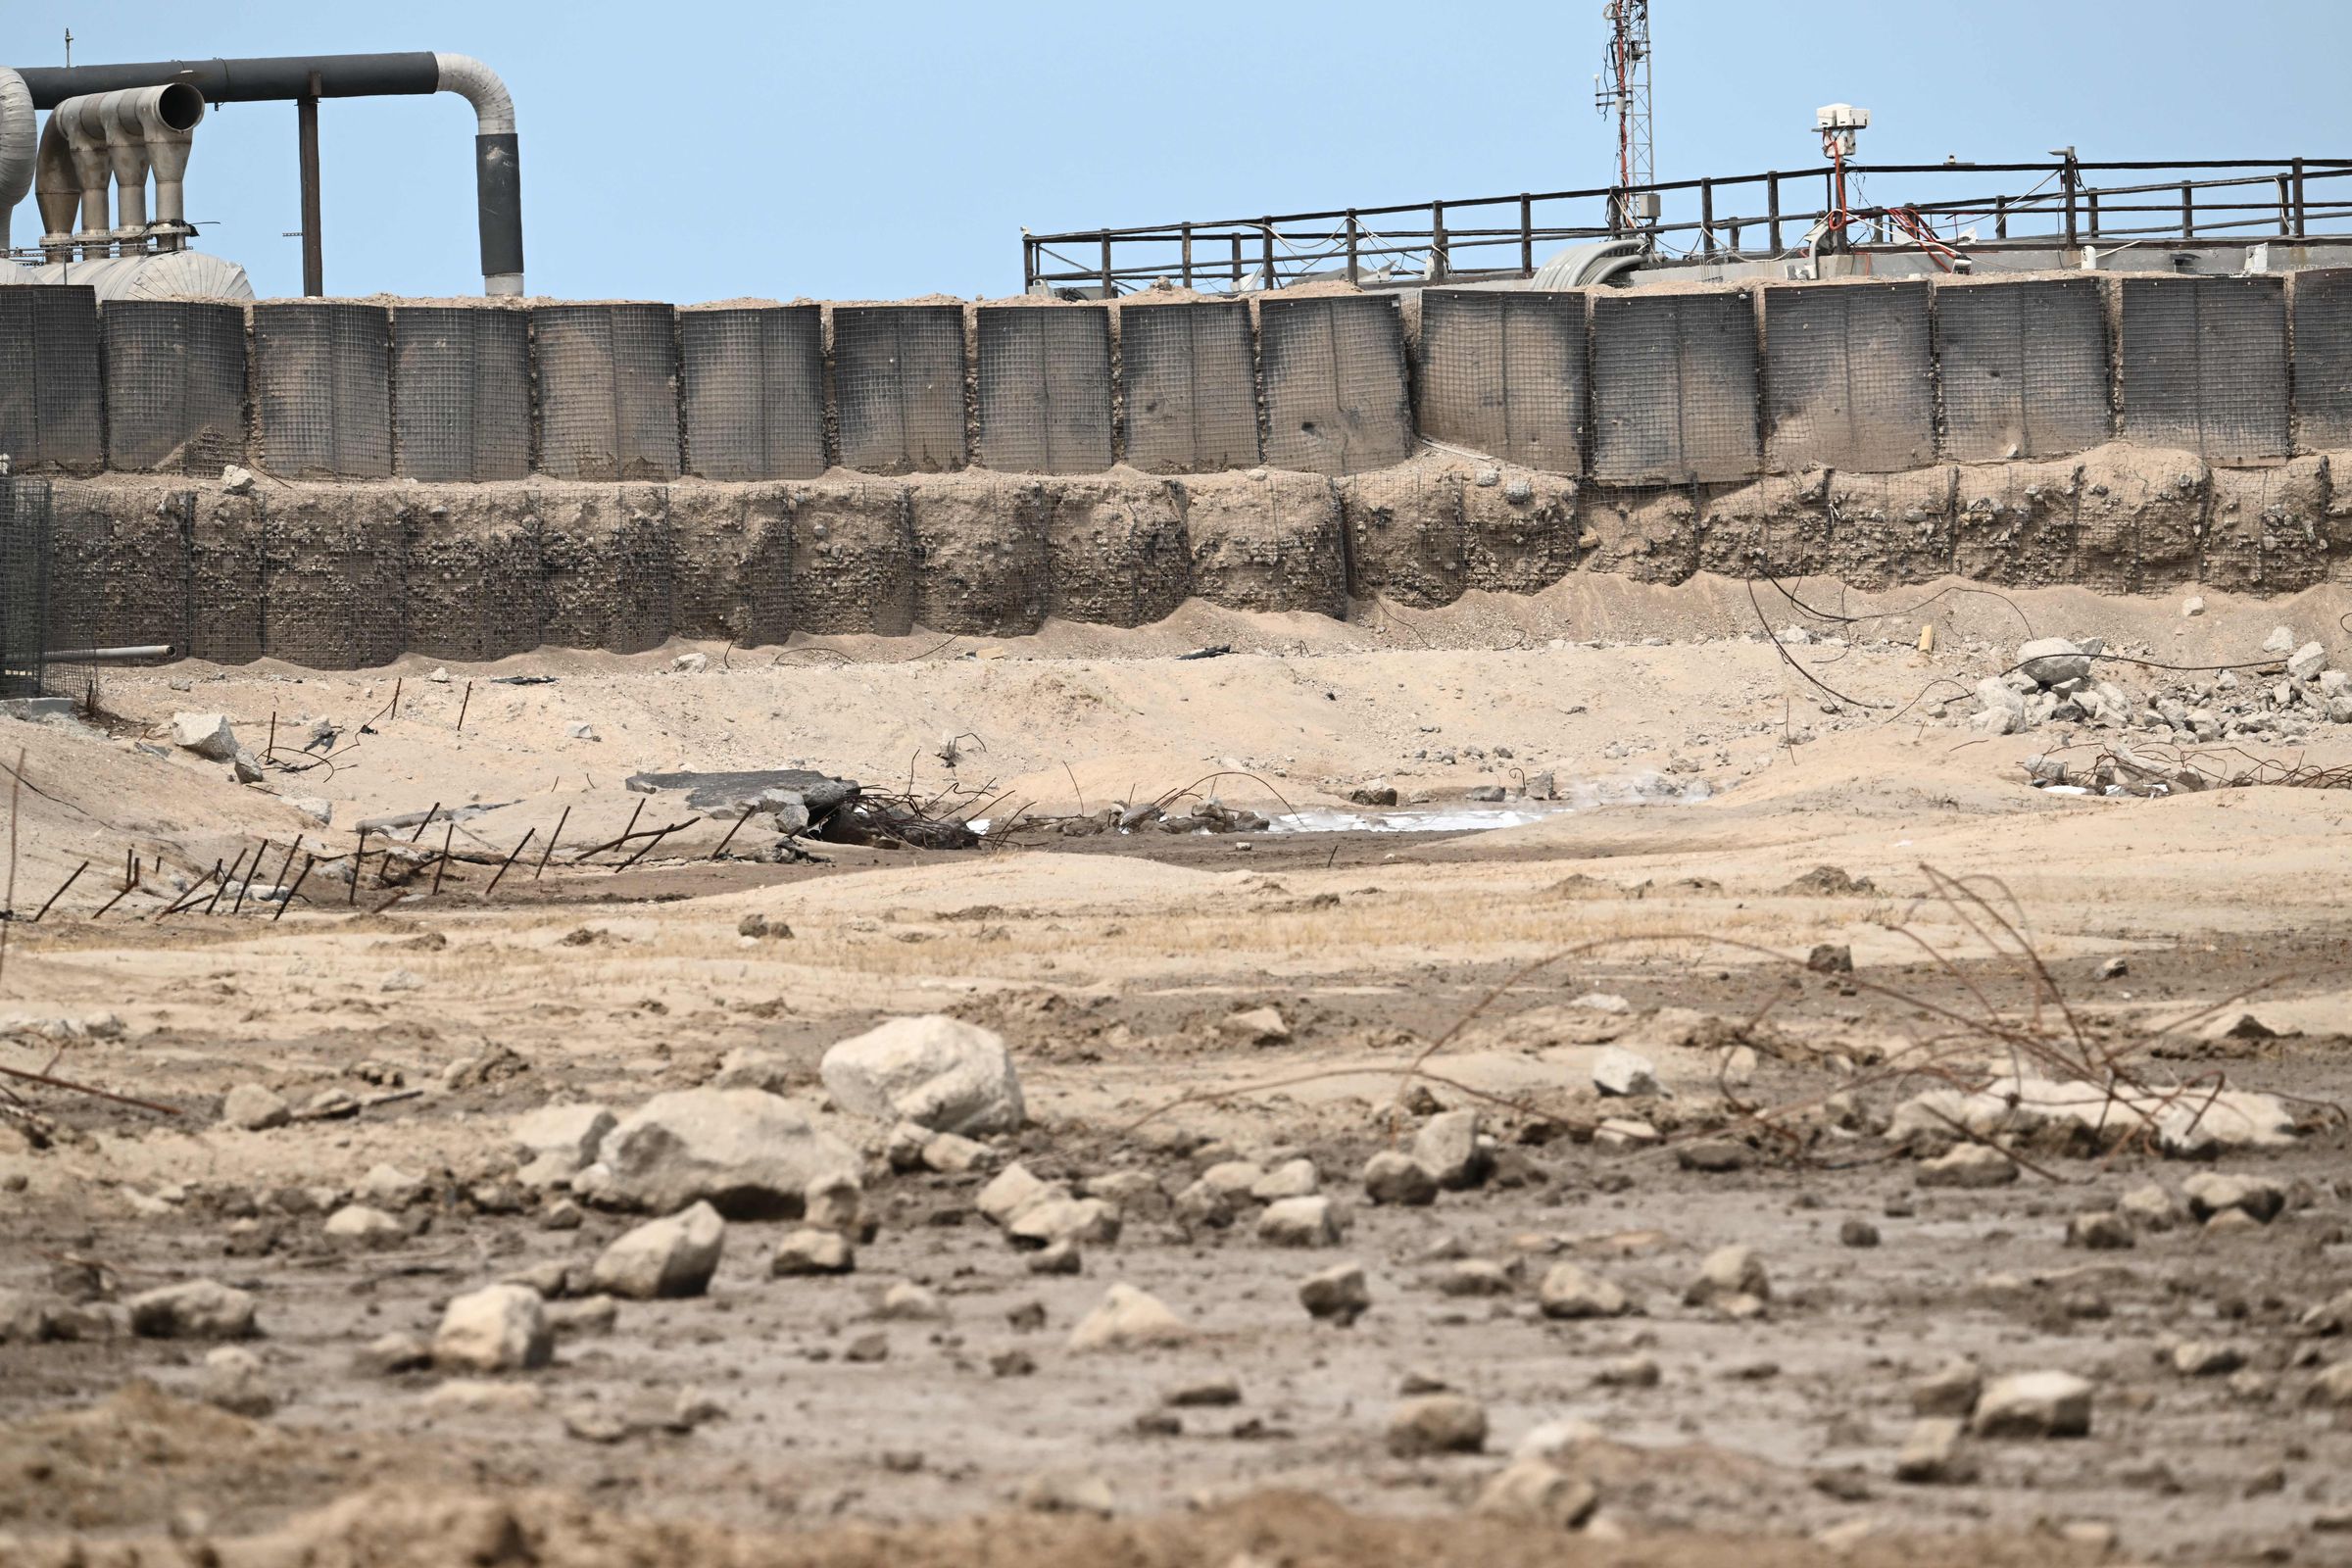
point(2306, 661)
point(499, 1329)
point(208, 735)
point(1127, 1318)
point(749, 1154)
point(2051, 661)
point(664, 1257)
point(932, 1070)
point(199, 1309)
point(1301, 1222)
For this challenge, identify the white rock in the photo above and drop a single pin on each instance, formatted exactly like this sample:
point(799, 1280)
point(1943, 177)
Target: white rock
point(751, 1156)
point(199, 1309)
point(317, 807)
point(2281, 640)
point(1450, 1146)
point(1256, 1026)
point(1618, 1071)
point(1090, 1221)
point(2193, 605)
point(234, 1380)
point(1557, 1440)
point(237, 481)
point(2306, 661)
point(932, 1070)
point(253, 1108)
point(1393, 1176)
point(389, 1187)
point(1127, 1318)
point(208, 735)
point(664, 1257)
point(2052, 660)
point(1729, 1271)
point(1296, 1178)
point(691, 664)
point(1014, 1189)
point(2211, 1192)
point(1568, 1292)
point(572, 1131)
point(1968, 1165)
point(814, 1251)
point(1301, 1222)
point(1538, 1492)
point(2194, 1124)
point(362, 1226)
point(501, 1328)
point(953, 1155)
point(2033, 1404)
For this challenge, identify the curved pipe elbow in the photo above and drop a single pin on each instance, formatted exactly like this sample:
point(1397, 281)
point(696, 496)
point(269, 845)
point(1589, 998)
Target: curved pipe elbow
point(20, 146)
point(480, 86)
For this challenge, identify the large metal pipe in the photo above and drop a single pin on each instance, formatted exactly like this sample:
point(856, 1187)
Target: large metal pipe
point(498, 178)
point(20, 146)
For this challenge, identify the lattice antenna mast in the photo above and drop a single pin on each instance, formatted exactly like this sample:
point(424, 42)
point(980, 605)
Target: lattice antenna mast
point(1623, 89)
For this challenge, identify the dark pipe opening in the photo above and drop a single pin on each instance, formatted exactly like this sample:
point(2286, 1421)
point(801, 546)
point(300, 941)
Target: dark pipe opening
point(179, 106)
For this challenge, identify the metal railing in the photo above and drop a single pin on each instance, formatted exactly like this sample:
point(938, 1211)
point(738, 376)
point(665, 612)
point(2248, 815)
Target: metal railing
point(2068, 204)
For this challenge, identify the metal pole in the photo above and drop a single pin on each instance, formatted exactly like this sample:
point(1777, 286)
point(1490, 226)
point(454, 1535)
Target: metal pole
point(2000, 217)
point(2091, 199)
point(1351, 267)
point(2188, 211)
point(1772, 207)
point(1706, 216)
point(2284, 206)
point(1526, 235)
point(1028, 263)
point(1110, 290)
point(314, 254)
point(1237, 262)
point(2302, 215)
point(1437, 240)
point(1266, 233)
point(1187, 255)
point(2067, 177)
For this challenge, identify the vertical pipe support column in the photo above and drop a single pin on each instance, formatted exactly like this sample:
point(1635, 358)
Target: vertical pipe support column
point(313, 245)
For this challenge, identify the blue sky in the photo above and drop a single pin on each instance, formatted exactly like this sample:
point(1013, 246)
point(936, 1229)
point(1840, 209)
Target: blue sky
point(697, 151)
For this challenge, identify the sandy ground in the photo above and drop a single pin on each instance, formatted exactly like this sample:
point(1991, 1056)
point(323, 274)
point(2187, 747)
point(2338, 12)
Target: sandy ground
point(1701, 775)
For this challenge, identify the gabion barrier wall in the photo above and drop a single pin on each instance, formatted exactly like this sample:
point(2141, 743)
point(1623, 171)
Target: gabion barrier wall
point(1043, 388)
point(51, 419)
point(1188, 376)
point(322, 389)
point(461, 392)
point(755, 400)
point(1627, 387)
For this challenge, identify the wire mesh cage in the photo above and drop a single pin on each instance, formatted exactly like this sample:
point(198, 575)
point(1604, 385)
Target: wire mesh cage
point(23, 585)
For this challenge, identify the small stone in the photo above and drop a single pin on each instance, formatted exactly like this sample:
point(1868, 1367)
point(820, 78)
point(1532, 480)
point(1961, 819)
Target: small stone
point(199, 1309)
point(936, 1071)
point(1207, 1394)
point(2306, 661)
point(1538, 1492)
point(1716, 1155)
point(2150, 1207)
point(1729, 1271)
point(1475, 1276)
point(1968, 1165)
point(1619, 1072)
point(2033, 1404)
point(1621, 1132)
point(867, 1350)
point(208, 735)
point(2207, 1359)
point(1059, 1493)
point(1450, 1149)
point(1255, 1027)
point(392, 1353)
point(234, 1380)
point(252, 1109)
point(2211, 1192)
point(1933, 1453)
point(1857, 1233)
point(953, 1154)
point(1629, 1372)
point(2332, 1387)
point(499, 1329)
point(1436, 1424)
point(588, 1315)
point(1568, 1292)
point(2193, 605)
point(1296, 1178)
point(1012, 1190)
point(2102, 1232)
point(2114, 968)
point(1830, 958)
point(909, 1302)
point(571, 1131)
point(1337, 1294)
point(1951, 1389)
point(1127, 1318)
point(1301, 1222)
point(813, 1251)
point(664, 1257)
point(1065, 1221)
point(1395, 1178)
point(358, 1225)
point(1060, 1257)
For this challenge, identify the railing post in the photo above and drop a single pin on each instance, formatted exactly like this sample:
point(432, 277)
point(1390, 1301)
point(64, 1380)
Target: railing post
point(1617, 200)
point(2302, 216)
point(1187, 255)
point(1236, 264)
point(2067, 177)
point(1352, 266)
point(1772, 207)
point(2284, 204)
point(1437, 241)
point(1110, 290)
point(1526, 235)
point(1028, 263)
point(2000, 217)
point(2188, 211)
point(2091, 199)
point(1733, 248)
point(1706, 217)
point(1269, 233)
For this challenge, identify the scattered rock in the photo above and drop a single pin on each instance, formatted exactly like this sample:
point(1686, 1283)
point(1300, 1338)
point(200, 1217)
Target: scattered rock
point(2207, 1359)
point(2053, 660)
point(1451, 1147)
point(1060, 1492)
point(393, 1354)
point(1210, 1393)
point(199, 1309)
point(1933, 1453)
point(570, 1132)
point(358, 1225)
point(1436, 1424)
point(751, 1156)
point(1296, 1178)
point(1301, 1222)
point(908, 1303)
point(253, 1109)
point(1620, 1072)
point(814, 1251)
point(1396, 1178)
point(2104, 1231)
point(1857, 1233)
point(1951, 1389)
point(2033, 1404)
point(1830, 958)
point(234, 1380)
point(208, 735)
point(1127, 1318)
point(501, 1328)
point(2150, 1207)
point(1061, 1220)
point(1255, 1027)
point(2211, 1192)
point(1338, 1295)
point(1568, 1292)
point(664, 1257)
point(1729, 1271)
point(1968, 1165)
point(932, 1070)
point(1538, 1492)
